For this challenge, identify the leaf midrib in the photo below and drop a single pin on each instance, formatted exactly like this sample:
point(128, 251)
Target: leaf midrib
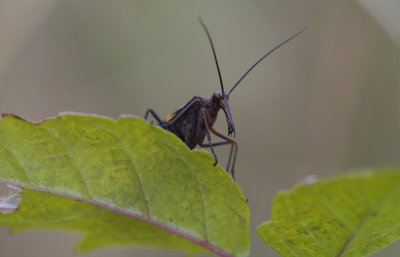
point(204, 243)
point(364, 221)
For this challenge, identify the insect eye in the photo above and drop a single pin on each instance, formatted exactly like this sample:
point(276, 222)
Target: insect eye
point(218, 95)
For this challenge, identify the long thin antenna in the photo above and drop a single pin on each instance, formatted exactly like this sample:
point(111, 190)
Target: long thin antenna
point(264, 56)
point(213, 50)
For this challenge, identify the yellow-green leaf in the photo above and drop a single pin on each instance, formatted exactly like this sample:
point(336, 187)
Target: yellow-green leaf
point(348, 216)
point(121, 181)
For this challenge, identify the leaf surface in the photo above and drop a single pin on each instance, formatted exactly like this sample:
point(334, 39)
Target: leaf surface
point(349, 216)
point(121, 181)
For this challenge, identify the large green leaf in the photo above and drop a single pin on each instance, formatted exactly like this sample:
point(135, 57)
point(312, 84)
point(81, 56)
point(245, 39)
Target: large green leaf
point(348, 216)
point(120, 181)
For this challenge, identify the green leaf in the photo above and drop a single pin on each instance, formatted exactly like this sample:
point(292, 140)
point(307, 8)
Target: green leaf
point(352, 215)
point(120, 181)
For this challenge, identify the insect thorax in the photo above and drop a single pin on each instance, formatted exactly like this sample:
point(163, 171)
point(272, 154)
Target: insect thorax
point(188, 122)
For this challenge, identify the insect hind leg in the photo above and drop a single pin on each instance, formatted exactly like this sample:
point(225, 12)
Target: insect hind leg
point(155, 116)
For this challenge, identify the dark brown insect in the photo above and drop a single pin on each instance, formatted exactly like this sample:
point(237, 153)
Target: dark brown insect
point(194, 121)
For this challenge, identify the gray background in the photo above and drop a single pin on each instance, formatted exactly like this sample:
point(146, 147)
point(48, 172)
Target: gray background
point(325, 103)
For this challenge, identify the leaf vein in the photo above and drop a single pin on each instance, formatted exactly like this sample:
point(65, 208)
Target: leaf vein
point(131, 160)
point(19, 165)
point(200, 192)
point(69, 156)
point(364, 220)
point(293, 213)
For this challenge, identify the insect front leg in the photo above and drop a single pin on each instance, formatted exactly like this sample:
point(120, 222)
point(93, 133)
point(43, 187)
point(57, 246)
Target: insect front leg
point(233, 152)
point(227, 140)
point(155, 116)
point(210, 145)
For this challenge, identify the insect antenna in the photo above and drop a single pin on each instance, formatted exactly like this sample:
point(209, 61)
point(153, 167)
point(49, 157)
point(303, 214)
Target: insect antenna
point(264, 56)
point(213, 50)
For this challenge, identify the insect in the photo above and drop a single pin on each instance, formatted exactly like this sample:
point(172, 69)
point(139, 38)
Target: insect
point(194, 121)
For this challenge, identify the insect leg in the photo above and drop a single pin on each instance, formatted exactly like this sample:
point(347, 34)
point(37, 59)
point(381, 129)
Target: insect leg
point(233, 151)
point(215, 144)
point(230, 161)
point(211, 147)
point(218, 144)
point(208, 136)
point(155, 116)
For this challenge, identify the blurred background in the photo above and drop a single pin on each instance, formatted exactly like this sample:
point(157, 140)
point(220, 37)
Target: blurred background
point(325, 103)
